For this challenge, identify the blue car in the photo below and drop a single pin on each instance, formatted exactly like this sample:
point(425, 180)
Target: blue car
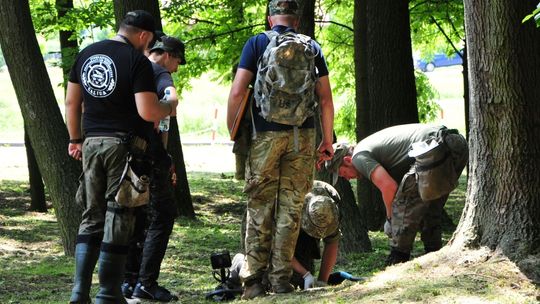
point(439, 60)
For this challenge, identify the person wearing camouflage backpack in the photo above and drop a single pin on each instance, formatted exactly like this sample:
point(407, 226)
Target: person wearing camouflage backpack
point(279, 168)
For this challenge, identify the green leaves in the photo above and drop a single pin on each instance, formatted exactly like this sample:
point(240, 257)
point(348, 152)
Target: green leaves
point(535, 14)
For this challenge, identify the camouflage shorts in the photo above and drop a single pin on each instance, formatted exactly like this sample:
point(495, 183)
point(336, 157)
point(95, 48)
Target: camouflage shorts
point(277, 180)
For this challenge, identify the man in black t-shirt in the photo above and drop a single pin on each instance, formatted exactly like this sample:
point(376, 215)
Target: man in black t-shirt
point(115, 81)
point(147, 250)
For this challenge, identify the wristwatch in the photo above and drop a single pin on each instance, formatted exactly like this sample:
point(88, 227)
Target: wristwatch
point(76, 141)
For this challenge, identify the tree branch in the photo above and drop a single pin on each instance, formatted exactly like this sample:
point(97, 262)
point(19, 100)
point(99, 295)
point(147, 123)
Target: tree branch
point(446, 36)
point(336, 23)
point(214, 36)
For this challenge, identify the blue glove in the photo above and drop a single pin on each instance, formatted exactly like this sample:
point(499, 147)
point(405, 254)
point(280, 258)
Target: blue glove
point(338, 277)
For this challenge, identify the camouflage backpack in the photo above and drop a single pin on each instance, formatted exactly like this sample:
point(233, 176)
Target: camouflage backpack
point(285, 83)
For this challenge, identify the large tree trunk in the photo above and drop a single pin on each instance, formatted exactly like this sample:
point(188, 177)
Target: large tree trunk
point(41, 114)
point(390, 98)
point(503, 200)
point(121, 7)
point(182, 194)
point(307, 18)
point(355, 237)
point(37, 189)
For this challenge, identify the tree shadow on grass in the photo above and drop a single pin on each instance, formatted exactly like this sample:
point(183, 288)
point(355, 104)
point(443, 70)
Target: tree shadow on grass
point(19, 224)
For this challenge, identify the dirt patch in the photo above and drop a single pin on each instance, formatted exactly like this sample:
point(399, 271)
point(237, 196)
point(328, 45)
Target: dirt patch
point(466, 276)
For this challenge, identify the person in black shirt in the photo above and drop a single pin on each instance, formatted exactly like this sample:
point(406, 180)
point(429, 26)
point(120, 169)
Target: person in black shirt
point(147, 250)
point(320, 221)
point(115, 81)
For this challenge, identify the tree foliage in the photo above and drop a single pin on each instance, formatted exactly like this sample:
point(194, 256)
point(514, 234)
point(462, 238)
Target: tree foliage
point(214, 32)
point(437, 26)
point(83, 19)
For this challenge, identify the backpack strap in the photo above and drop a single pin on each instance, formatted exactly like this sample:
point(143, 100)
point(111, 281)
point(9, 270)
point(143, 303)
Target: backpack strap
point(270, 34)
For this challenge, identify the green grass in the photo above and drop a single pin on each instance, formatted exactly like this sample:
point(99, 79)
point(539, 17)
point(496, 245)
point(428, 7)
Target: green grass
point(33, 268)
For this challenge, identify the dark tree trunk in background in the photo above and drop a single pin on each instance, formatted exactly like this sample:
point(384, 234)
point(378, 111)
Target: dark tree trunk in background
point(182, 194)
point(181, 191)
point(68, 45)
point(121, 7)
point(390, 98)
point(37, 189)
point(42, 117)
point(307, 18)
point(355, 237)
point(503, 200)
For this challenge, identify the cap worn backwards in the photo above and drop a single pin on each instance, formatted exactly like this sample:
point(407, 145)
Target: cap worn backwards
point(283, 7)
point(171, 45)
point(332, 166)
point(140, 19)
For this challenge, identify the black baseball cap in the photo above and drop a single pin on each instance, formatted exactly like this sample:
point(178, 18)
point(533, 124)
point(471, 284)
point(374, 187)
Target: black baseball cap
point(140, 19)
point(171, 45)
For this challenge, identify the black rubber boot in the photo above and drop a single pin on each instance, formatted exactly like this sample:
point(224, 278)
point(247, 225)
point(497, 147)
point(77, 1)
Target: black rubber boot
point(111, 275)
point(85, 261)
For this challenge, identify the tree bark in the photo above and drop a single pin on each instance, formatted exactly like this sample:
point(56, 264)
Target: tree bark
point(355, 237)
point(503, 200)
point(307, 18)
point(46, 129)
point(121, 7)
point(182, 193)
point(385, 63)
point(68, 45)
point(37, 189)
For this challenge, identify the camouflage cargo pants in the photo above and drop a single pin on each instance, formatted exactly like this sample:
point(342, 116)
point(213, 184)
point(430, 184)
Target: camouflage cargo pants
point(104, 159)
point(277, 180)
point(411, 214)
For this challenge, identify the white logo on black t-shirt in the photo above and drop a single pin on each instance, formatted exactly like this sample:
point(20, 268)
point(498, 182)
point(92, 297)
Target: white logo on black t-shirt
point(98, 75)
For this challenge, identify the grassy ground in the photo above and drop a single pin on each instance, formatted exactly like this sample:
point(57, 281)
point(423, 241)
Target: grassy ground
point(34, 270)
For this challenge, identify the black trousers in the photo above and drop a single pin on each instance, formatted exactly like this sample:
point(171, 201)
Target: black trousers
point(153, 226)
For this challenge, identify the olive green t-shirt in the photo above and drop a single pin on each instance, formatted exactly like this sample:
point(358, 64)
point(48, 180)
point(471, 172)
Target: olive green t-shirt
point(389, 148)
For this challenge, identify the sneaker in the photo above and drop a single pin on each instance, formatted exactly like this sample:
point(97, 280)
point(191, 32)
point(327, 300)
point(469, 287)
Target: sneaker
point(153, 292)
point(127, 289)
point(253, 290)
point(132, 301)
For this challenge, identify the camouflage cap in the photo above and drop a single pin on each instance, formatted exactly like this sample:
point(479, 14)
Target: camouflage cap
point(320, 215)
point(283, 7)
point(171, 45)
point(332, 166)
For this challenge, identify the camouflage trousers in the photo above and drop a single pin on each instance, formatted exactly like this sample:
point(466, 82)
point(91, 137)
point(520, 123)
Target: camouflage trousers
point(411, 214)
point(277, 179)
point(104, 159)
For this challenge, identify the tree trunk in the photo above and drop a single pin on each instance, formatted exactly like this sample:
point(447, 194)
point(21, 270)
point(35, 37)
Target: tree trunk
point(68, 45)
point(503, 200)
point(307, 18)
point(46, 129)
point(355, 237)
point(121, 7)
point(182, 193)
point(385, 64)
point(37, 189)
